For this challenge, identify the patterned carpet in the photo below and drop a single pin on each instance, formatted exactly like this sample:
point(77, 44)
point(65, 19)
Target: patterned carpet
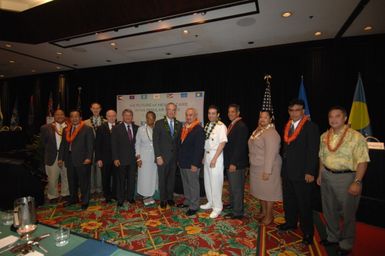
point(152, 231)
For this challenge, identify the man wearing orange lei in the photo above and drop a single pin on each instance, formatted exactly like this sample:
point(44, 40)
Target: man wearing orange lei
point(344, 159)
point(300, 162)
point(76, 150)
point(190, 155)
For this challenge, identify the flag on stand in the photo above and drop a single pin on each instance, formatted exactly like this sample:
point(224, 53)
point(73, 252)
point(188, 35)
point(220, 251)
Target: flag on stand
point(302, 96)
point(15, 117)
point(359, 115)
point(267, 105)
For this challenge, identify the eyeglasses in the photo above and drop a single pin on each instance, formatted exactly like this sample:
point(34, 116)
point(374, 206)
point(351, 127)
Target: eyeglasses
point(295, 109)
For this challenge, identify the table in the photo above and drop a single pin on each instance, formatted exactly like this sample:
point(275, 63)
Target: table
point(74, 244)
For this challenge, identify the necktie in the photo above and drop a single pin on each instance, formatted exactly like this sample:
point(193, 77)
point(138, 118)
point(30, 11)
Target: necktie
point(291, 131)
point(72, 130)
point(129, 133)
point(171, 128)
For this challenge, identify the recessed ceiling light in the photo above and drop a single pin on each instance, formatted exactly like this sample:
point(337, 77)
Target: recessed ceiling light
point(159, 20)
point(286, 14)
point(367, 28)
point(57, 67)
point(318, 33)
point(8, 45)
point(113, 44)
point(12, 61)
point(2, 76)
point(185, 31)
point(33, 70)
point(59, 53)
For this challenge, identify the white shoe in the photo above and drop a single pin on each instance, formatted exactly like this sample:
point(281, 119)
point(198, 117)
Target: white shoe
point(206, 206)
point(214, 214)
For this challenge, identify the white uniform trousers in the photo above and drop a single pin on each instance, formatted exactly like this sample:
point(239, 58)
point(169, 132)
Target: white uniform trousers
point(53, 172)
point(213, 179)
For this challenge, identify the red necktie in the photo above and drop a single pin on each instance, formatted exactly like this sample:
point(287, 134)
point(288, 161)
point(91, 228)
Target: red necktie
point(129, 133)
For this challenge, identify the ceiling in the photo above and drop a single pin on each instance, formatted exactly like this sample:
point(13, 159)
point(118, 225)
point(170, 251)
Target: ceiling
point(265, 27)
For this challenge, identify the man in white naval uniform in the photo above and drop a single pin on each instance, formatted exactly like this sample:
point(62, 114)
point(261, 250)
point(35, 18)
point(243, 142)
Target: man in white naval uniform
point(216, 138)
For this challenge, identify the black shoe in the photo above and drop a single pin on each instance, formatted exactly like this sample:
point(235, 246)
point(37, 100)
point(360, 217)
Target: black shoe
point(191, 212)
point(131, 201)
point(65, 198)
point(170, 202)
point(343, 252)
point(237, 217)
point(69, 203)
point(327, 243)
point(182, 205)
point(120, 204)
point(84, 206)
point(228, 216)
point(108, 200)
point(286, 227)
point(163, 204)
point(54, 200)
point(307, 239)
point(227, 206)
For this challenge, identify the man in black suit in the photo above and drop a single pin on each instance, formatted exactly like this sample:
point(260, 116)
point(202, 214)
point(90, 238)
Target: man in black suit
point(236, 160)
point(123, 153)
point(191, 150)
point(51, 136)
point(166, 139)
point(76, 150)
point(103, 154)
point(300, 162)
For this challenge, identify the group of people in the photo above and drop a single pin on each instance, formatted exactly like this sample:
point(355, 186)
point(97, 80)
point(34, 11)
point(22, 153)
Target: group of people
point(119, 154)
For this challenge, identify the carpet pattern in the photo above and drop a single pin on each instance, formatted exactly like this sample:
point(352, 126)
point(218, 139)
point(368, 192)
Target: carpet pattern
point(152, 231)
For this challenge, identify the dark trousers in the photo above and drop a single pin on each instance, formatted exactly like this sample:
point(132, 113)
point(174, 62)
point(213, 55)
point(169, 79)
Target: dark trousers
point(166, 174)
point(79, 176)
point(125, 181)
point(236, 188)
point(297, 203)
point(108, 172)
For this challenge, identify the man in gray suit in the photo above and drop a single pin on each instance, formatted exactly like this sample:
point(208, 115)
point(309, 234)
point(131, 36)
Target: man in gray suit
point(166, 140)
point(124, 157)
point(51, 136)
point(76, 150)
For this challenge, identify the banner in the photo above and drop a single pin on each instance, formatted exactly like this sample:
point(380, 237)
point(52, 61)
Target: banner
point(141, 103)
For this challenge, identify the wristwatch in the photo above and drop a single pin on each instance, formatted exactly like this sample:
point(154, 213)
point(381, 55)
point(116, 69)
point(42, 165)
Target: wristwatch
point(358, 181)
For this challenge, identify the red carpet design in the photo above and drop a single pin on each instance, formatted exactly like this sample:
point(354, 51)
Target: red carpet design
point(152, 231)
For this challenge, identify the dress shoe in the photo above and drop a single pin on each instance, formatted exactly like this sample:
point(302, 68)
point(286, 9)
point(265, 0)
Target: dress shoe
point(227, 206)
point(327, 243)
point(214, 214)
point(307, 239)
point(84, 206)
point(343, 252)
point(228, 216)
point(286, 227)
point(206, 206)
point(69, 203)
point(170, 202)
point(182, 205)
point(119, 204)
point(191, 212)
point(163, 204)
point(54, 200)
point(131, 201)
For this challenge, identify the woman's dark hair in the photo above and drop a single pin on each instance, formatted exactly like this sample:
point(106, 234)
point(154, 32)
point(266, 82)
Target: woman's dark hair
point(151, 113)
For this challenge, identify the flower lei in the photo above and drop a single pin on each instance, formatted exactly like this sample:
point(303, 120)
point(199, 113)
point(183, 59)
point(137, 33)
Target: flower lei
point(257, 133)
point(288, 139)
point(71, 138)
point(167, 126)
point(186, 130)
point(207, 131)
point(54, 127)
point(327, 139)
point(96, 121)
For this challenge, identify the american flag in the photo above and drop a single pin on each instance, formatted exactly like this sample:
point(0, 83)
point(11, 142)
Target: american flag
point(266, 103)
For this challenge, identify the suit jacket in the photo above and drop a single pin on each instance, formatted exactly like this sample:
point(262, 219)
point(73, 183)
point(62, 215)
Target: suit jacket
point(122, 149)
point(48, 139)
point(236, 149)
point(300, 157)
point(165, 145)
point(103, 147)
point(82, 147)
point(191, 150)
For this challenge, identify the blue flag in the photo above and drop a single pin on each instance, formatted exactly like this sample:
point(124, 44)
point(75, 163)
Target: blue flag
point(302, 96)
point(359, 115)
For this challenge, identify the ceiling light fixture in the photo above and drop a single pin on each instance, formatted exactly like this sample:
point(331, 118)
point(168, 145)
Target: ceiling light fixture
point(12, 61)
point(33, 70)
point(59, 53)
point(367, 28)
point(286, 14)
point(185, 31)
point(113, 44)
point(2, 76)
point(57, 67)
point(8, 45)
point(318, 33)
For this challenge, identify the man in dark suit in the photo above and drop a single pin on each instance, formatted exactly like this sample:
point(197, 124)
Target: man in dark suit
point(51, 136)
point(166, 139)
point(300, 162)
point(103, 154)
point(236, 160)
point(191, 150)
point(76, 150)
point(123, 153)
